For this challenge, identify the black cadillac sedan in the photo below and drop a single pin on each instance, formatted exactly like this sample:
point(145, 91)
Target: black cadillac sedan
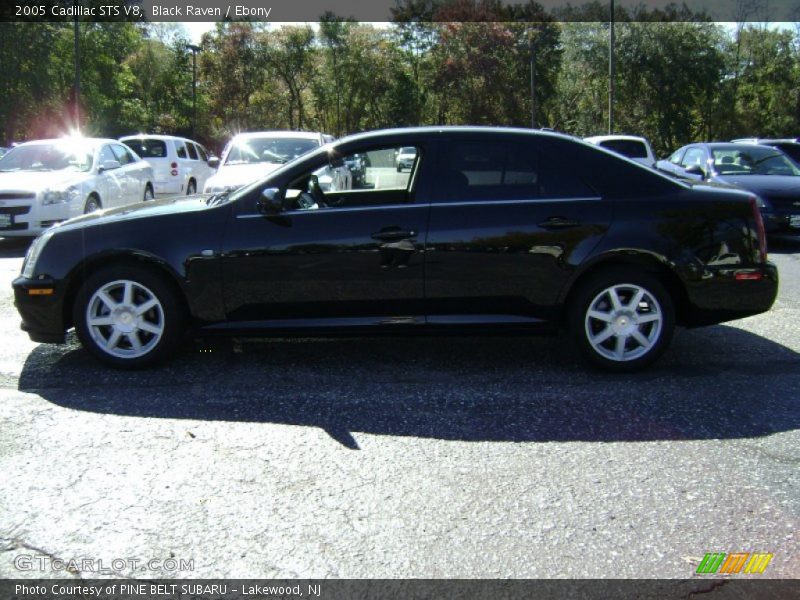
point(490, 230)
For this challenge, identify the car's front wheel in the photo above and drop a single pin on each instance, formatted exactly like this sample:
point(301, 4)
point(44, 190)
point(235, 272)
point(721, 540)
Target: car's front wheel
point(622, 320)
point(128, 317)
point(92, 204)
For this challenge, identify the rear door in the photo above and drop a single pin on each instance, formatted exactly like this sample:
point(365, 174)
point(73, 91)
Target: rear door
point(202, 170)
point(510, 219)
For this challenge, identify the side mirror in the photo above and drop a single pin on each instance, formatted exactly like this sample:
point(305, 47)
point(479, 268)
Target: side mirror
point(109, 165)
point(695, 170)
point(213, 162)
point(271, 201)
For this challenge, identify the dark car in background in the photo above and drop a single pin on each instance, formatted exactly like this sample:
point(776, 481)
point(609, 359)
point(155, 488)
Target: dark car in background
point(493, 230)
point(789, 146)
point(765, 171)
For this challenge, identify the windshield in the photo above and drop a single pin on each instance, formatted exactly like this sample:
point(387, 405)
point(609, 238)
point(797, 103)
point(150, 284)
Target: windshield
point(753, 160)
point(268, 150)
point(47, 157)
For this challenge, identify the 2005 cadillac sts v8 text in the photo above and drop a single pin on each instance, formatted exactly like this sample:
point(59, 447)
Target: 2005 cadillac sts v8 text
point(489, 230)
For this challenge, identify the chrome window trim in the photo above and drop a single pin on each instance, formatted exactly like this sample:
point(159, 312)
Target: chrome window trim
point(423, 205)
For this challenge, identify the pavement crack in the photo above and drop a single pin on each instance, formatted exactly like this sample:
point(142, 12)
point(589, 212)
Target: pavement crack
point(11, 544)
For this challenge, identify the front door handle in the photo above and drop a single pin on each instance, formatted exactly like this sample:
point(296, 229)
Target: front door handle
point(393, 234)
point(558, 223)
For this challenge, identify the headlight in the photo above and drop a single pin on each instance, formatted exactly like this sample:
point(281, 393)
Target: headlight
point(29, 265)
point(58, 196)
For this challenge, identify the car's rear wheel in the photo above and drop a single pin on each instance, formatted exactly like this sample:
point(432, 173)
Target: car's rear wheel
point(191, 188)
point(128, 317)
point(622, 320)
point(148, 193)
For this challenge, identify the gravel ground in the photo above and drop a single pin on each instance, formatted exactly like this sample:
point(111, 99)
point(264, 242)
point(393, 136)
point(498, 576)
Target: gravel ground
point(419, 457)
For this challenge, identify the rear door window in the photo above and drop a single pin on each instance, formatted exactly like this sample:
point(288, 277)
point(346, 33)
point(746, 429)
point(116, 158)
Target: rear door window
point(629, 148)
point(147, 148)
point(192, 151)
point(180, 149)
point(496, 171)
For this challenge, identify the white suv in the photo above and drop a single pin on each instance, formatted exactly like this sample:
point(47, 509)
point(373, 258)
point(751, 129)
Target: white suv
point(633, 146)
point(180, 165)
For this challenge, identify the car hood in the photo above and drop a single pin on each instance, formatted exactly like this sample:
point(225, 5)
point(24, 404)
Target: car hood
point(235, 176)
point(36, 181)
point(765, 185)
point(145, 210)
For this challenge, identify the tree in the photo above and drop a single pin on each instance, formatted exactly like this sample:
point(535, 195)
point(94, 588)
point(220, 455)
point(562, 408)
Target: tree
point(289, 54)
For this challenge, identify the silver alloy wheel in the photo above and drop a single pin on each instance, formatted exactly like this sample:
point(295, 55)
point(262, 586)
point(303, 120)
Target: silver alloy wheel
point(125, 319)
point(623, 322)
point(148, 193)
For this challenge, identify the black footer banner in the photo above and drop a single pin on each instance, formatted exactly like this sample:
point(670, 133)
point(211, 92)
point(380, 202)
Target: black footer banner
point(397, 589)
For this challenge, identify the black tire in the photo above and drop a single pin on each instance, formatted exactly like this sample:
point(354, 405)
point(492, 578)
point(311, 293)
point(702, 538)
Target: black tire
point(599, 339)
point(146, 284)
point(399, 168)
point(148, 193)
point(92, 204)
point(191, 188)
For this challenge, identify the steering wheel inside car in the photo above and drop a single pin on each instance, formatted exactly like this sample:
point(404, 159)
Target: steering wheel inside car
point(316, 191)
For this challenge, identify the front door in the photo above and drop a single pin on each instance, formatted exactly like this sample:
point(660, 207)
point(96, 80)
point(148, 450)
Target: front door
point(333, 257)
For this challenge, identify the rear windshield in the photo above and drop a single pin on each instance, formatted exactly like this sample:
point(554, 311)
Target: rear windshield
point(792, 150)
point(268, 150)
point(148, 148)
point(629, 148)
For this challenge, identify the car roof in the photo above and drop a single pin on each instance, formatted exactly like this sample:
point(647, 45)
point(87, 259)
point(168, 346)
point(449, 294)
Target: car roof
point(155, 136)
point(82, 140)
point(402, 133)
point(606, 138)
point(724, 145)
point(767, 141)
point(307, 135)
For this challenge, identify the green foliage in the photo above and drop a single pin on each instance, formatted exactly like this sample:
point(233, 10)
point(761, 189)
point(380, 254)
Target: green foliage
point(679, 79)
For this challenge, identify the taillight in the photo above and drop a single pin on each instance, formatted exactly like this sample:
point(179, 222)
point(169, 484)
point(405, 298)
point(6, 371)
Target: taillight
point(173, 165)
point(762, 234)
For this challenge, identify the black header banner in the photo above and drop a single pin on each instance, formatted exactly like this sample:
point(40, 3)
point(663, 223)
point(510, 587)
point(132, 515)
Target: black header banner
point(278, 11)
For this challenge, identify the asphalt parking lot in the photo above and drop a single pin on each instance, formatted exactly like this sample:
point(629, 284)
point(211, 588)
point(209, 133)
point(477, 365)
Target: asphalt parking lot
point(415, 457)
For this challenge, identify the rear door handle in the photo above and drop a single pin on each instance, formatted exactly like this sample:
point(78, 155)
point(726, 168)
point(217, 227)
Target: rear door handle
point(393, 234)
point(558, 223)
